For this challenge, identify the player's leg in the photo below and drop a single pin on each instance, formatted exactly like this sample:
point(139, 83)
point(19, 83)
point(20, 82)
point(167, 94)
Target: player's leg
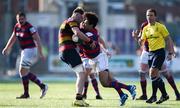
point(72, 58)
point(23, 72)
point(143, 81)
point(155, 62)
point(107, 79)
point(95, 85)
point(87, 70)
point(168, 75)
point(144, 68)
point(25, 81)
point(81, 77)
point(86, 84)
point(30, 58)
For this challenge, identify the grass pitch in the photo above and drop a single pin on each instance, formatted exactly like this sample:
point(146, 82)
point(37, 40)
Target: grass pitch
point(61, 94)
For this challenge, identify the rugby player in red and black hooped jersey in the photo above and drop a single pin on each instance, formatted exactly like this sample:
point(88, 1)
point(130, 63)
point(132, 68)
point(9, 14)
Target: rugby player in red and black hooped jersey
point(101, 61)
point(87, 67)
point(30, 44)
point(24, 34)
point(144, 68)
point(68, 53)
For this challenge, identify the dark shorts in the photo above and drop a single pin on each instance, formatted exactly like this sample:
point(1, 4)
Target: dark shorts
point(156, 58)
point(71, 57)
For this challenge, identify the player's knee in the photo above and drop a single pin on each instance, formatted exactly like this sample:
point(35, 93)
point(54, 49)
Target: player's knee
point(23, 71)
point(166, 73)
point(144, 67)
point(143, 76)
point(105, 84)
point(92, 76)
point(154, 72)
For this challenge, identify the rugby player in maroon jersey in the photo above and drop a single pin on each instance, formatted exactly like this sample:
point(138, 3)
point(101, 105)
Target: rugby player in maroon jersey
point(100, 59)
point(30, 44)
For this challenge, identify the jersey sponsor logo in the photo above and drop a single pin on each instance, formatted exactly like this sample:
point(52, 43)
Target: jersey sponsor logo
point(32, 30)
point(89, 34)
point(19, 34)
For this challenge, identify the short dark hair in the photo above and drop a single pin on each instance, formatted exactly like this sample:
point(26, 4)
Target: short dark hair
point(21, 14)
point(79, 10)
point(92, 18)
point(152, 10)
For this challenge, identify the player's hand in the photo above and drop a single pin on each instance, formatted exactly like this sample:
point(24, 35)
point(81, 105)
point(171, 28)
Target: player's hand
point(135, 34)
point(42, 57)
point(170, 56)
point(5, 51)
point(108, 53)
point(93, 45)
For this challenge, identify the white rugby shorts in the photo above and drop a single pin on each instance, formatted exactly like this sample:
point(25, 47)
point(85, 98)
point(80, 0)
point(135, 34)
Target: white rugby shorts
point(29, 56)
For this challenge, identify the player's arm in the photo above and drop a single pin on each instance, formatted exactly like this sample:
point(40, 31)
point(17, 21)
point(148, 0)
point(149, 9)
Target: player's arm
point(9, 44)
point(103, 46)
point(136, 34)
point(102, 43)
point(169, 42)
point(170, 47)
point(36, 38)
point(82, 36)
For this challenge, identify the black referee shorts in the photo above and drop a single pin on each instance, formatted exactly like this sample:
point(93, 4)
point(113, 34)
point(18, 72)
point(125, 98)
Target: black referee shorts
point(156, 58)
point(71, 57)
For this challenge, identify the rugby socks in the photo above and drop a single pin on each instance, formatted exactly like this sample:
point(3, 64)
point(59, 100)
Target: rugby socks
point(161, 86)
point(121, 85)
point(117, 86)
point(86, 84)
point(79, 97)
point(34, 79)
point(143, 82)
point(143, 87)
point(95, 86)
point(171, 81)
point(25, 82)
point(154, 85)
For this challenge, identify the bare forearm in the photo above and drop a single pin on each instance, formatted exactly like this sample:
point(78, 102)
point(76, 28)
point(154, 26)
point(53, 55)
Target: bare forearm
point(10, 42)
point(170, 45)
point(81, 35)
point(38, 43)
point(102, 43)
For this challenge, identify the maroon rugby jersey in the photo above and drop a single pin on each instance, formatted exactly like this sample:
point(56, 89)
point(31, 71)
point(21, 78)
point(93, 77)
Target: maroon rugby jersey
point(24, 34)
point(146, 47)
point(85, 50)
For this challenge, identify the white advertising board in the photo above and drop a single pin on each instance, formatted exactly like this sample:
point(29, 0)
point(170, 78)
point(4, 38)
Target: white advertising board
point(119, 63)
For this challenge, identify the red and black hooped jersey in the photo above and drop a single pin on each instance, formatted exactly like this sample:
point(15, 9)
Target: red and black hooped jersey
point(85, 50)
point(65, 34)
point(141, 29)
point(24, 34)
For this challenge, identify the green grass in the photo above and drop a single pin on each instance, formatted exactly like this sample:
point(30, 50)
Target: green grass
point(61, 95)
